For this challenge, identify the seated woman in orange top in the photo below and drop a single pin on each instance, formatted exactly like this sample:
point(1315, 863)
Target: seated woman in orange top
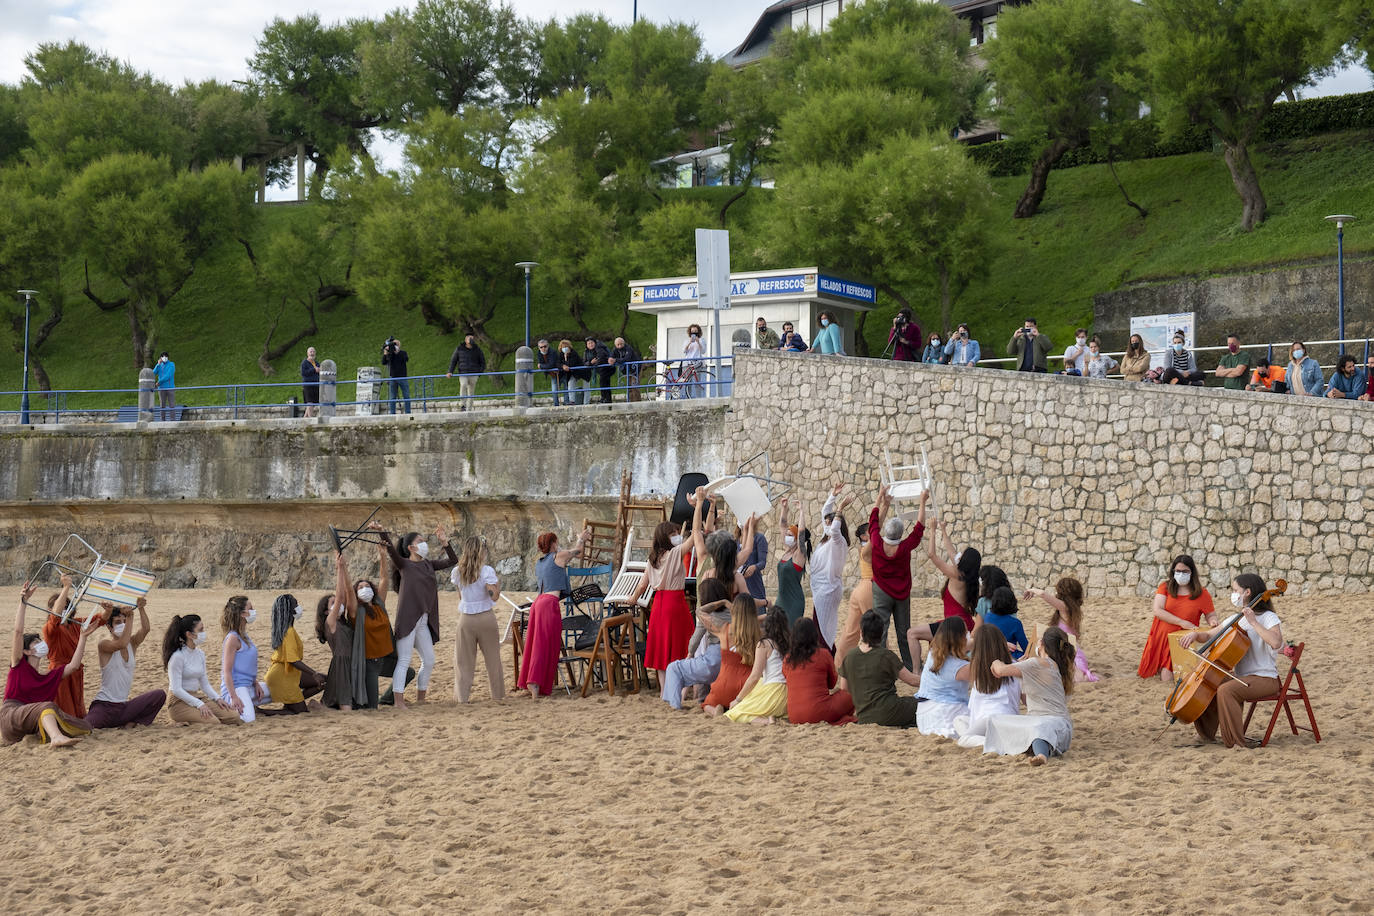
point(61, 639)
point(810, 672)
point(1179, 604)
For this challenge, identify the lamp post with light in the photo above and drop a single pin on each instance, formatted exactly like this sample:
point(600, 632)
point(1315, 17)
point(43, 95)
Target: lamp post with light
point(1340, 219)
point(28, 295)
point(527, 265)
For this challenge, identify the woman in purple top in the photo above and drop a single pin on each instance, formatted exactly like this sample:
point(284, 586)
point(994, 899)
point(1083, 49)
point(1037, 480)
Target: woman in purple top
point(905, 338)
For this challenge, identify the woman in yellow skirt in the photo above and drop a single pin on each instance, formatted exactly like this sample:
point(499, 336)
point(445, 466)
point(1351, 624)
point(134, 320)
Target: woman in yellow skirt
point(764, 695)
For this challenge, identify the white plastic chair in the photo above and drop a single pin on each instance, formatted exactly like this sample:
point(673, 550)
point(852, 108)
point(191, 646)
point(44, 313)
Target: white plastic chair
point(907, 482)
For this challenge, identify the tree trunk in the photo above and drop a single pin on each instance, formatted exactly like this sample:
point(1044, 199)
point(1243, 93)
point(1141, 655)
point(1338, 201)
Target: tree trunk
point(946, 301)
point(1237, 156)
point(1111, 165)
point(860, 342)
point(1029, 203)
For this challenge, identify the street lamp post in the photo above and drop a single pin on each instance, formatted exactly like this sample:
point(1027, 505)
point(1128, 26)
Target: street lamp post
point(1340, 219)
point(527, 265)
point(28, 295)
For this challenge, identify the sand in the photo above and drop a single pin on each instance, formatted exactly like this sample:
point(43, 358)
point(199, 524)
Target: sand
point(622, 805)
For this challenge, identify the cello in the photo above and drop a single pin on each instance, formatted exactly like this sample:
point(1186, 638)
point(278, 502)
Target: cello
point(1194, 692)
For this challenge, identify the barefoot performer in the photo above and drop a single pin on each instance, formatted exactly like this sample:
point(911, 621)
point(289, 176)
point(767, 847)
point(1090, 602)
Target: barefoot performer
point(28, 708)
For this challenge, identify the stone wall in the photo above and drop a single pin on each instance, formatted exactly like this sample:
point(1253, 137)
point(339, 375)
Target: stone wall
point(1294, 303)
point(1053, 476)
point(249, 502)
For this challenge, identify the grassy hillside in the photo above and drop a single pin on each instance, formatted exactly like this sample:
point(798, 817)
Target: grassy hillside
point(1085, 240)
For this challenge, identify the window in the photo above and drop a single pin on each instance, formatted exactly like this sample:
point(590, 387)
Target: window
point(830, 10)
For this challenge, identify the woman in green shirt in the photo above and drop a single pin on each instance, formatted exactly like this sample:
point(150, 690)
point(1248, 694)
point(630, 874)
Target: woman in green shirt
point(791, 567)
point(870, 672)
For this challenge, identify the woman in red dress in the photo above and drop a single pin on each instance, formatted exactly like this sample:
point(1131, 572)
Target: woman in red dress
point(670, 619)
point(810, 672)
point(1180, 602)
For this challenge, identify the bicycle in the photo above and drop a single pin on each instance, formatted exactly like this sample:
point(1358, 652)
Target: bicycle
point(679, 382)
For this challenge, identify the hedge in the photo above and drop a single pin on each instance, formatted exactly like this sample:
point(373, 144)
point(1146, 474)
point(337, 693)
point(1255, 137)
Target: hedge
point(1286, 121)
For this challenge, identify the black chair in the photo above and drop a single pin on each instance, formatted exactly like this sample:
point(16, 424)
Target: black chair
point(682, 509)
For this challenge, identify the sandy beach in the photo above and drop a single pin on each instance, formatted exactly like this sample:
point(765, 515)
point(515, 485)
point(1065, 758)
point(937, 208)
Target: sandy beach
point(621, 805)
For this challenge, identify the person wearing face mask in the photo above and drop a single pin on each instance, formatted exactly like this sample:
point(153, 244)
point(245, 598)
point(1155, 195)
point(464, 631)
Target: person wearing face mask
point(1076, 355)
point(290, 680)
point(368, 596)
point(1267, 377)
point(61, 637)
point(183, 655)
point(239, 687)
point(1136, 360)
point(1256, 674)
point(796, 551)
point(1180, 602)
point(1348, 381)
point(417, 604)
point(892, 571)
point(962, 349)
point(344, 684)
point(829, 339)
point(1099, 363)
point(694, 350)
point(1180, 365)
point(571, 374)
point(670, 619)
point(112, 707)
point(1233, 366)
point(1304, 374)
point(860, 599)
point(826, 566)
point(934, 353)
point(28, 708)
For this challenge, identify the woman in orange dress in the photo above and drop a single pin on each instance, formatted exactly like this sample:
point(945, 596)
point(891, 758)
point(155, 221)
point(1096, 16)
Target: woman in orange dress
point(1180, 603)
point(739, 641)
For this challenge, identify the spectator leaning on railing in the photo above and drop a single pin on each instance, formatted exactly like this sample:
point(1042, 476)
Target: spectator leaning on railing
point(625, 358)
point(829, 339)
point(1181, 364)
point(1076, 355)
point(765, 337)
point(468, 360)
point(1348, 381)
point(548, 364)
point(1030, 347)
point(1234, 365)
point(791, 341)
point(962, 349)
point(599, 358)
point(1099, 363)
point(1304, 374)
point(1267, 377)
point(933, 353)
point(1135, 362)
point(165, 371)
point(1368, 394)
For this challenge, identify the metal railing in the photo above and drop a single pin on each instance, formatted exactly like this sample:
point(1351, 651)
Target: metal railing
point(707, 377)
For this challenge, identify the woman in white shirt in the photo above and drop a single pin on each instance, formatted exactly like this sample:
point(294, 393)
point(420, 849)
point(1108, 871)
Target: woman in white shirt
point(477, 626)
point(184, 658)
point(112, 707)
point(1258, 671)
point(826, 566)
point(694, 351)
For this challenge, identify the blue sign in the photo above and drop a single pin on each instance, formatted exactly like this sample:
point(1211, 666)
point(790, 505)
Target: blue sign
point(848, 289)
point(783, 285)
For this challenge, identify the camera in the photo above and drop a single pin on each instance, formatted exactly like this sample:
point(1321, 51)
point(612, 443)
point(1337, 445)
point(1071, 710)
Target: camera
point(900, 320)
point(389, 346)
point(1026, 331)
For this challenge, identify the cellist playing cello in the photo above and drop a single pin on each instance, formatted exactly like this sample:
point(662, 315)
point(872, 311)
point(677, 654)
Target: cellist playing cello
point(1257, 673)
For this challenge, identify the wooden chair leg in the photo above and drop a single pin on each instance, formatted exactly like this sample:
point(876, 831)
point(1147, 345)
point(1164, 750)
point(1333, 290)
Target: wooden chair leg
point(1311, 719)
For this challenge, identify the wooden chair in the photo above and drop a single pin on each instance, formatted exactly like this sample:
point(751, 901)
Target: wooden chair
point(616, 652)
point(1281, 700)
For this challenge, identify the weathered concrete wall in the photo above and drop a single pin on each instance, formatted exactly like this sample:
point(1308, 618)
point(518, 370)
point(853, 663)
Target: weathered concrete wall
point(249, 503)
point(1297, 303)
point(1107, 481)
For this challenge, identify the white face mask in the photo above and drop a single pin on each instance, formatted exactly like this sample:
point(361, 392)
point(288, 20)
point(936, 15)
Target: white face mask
point(202, 637)
point(40, 649)
point(1183, 578)
point(566, 351)
point(252, 615)
point(298, 612)
point(117, 629)
point(365, 595)
point(788, 541)
point(422, 548)
point(676, 539)
point(1237, 600)
point(1081, 340)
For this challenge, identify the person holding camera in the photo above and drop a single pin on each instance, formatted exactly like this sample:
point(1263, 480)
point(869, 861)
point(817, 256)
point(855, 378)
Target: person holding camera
point(396, 360)
point(694, 351)
point(468, 360)
point(1030, 347)
point(166, 374)
point(962, 349)
point(905, 337)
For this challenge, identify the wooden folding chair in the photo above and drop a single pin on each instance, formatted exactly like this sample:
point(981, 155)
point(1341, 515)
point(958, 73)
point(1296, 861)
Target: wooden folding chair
point(616, 651)
point(1281, 700)
point(600, 548)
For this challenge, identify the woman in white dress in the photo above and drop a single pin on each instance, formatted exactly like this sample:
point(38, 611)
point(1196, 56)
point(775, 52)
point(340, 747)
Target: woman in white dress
point(988, 695)
point(826, 566)
point(1046, 680)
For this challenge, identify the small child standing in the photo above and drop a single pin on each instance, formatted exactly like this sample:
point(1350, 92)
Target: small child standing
point(1067, 602)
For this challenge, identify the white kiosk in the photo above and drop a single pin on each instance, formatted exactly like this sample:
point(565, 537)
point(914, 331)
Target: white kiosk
point(797, 295)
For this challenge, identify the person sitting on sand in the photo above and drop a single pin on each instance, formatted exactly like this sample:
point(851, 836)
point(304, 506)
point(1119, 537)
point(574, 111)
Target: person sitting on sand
point(990, 579)
point(944, 680)
point(112, 707)
point(1257, 672)
point(290, 680)
point(60, 638)
point(702, 666)
point(1067, 601)
point(1001, 614)
point(988, 694)
point(1046, 680)
point(869, 673)
point(1180, 603)
point(29, 707)
point(739, 642)
point(183, 656)
point(764, 694)
point(810, 673)
point(239, 687)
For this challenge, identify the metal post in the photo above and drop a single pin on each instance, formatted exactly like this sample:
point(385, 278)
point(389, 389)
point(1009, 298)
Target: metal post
point(24, 398)
point(527, 265)
point(1340, 284)
point(329, 388)
point(524, 376)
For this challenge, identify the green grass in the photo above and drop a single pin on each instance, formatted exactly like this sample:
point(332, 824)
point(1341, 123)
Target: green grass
point(1084, 241)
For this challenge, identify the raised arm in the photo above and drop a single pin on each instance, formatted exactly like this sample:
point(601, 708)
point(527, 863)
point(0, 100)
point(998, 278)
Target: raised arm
point(1049, 598)
point(782, 514)
point(75, 664)
point(451, 557)
point(383, 580)
point(115, 643)
point(64, 596)
point(17, 648)
point(564, 557)
point(941, 563)
point(746, 557)
point(698, 539)
point(143, 625)
point(387, 546)
point(343, 592)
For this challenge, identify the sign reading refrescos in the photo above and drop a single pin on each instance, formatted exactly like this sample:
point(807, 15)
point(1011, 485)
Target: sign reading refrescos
point(778, 285)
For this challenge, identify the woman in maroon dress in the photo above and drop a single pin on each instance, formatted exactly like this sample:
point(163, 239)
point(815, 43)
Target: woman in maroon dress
point(28, 708)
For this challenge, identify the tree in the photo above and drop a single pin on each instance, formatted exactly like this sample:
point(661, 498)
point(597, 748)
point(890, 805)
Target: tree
point(1223, 64)
point(1057, 65)
point(32, 255)
point(225, 122)
point(144, 227)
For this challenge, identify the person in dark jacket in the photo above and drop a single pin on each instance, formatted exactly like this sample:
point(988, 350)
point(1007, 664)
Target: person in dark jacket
point(599, 359)
point(548, 364)
point(905, 337)
point(396, 360)
point(791, 341)
point(625, 358)
point(572, 375)
point(468, 360)
point(310, 383)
